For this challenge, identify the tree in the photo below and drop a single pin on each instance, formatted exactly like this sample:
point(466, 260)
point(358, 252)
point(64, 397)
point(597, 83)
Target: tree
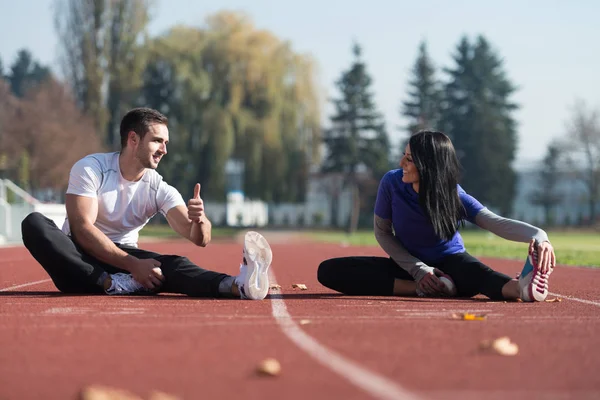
point(477, 115)
point(583, 144)
point(423, 107)
point(357, 139)
point(102, 51)
point(232, 91)
point(547, 195)
point(48, 134)
point(25, 73)
point(8, 106)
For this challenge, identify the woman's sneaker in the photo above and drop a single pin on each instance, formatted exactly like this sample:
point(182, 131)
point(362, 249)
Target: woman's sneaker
point(253, 280)
point(533, 283)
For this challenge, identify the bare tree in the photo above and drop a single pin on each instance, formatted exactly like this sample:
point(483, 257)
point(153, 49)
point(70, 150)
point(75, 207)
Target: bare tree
point(101, 55)
point(583, 144)
point(48, 134)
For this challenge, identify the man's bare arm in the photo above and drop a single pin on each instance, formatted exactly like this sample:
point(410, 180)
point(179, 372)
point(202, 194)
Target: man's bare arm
point(82, 212)
point(198, 233)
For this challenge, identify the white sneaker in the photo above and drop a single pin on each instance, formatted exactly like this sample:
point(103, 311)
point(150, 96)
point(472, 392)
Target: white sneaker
point(253, 280)
point(533, 284)
point(125, 284)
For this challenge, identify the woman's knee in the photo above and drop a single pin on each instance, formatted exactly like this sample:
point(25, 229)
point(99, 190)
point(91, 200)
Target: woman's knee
point(327, 272)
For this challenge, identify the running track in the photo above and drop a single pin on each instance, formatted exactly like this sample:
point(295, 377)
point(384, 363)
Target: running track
point(329, 346)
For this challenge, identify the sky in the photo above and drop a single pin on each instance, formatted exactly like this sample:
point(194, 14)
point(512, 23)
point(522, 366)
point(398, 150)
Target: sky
point(550, 48)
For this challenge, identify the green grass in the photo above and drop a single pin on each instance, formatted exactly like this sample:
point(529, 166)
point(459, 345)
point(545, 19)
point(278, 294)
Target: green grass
point(571, 248)
point(165, 232)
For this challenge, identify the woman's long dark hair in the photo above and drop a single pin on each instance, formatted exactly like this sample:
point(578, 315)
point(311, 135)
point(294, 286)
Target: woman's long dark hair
point(435, 158)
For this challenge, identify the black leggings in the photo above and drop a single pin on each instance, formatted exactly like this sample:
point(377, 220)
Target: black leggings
point(74, 271)
point(374, 276)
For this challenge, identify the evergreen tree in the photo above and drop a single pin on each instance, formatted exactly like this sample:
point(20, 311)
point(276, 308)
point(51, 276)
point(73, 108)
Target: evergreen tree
point(547, 196)
point(357, 137)
point(424, 104)
point(26, 73)
point(477, 115)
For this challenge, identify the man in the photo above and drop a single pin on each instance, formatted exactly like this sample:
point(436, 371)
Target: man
point(110, 197)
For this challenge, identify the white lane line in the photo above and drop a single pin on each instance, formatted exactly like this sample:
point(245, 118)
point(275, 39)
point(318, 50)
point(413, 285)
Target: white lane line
point(594, 303)
point(370, 382)
point(8, 289)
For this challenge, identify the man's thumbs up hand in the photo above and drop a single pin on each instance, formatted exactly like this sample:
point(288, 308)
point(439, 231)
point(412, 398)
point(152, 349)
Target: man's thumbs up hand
point(196, 206)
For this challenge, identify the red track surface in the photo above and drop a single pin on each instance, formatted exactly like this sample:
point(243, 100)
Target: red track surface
point(52, 345)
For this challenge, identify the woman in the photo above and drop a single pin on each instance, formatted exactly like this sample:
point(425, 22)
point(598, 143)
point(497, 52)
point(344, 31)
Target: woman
point(418, 211)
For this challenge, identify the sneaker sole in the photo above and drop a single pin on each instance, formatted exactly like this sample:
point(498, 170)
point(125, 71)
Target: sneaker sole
point(534, 294)
point(259, 257)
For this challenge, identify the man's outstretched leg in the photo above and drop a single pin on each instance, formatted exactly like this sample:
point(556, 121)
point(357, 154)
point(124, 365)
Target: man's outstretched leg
point(184, 277)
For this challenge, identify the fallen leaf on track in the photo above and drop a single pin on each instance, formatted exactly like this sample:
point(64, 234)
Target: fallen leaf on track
point(554, 300)
point(304, 322)
point(269, 367)
point(469, 316)
point(275, 287)
point(97, 392)
point(300, 286)
point(502, 346)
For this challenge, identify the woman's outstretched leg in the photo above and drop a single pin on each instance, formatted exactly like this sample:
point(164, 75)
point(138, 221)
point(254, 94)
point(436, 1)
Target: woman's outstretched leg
point(366, 276)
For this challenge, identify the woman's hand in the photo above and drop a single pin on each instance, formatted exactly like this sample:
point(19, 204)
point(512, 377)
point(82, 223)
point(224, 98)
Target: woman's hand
point(430, 284)
point(546, 256)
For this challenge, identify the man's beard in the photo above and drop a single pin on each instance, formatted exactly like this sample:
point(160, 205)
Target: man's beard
point(147, 162)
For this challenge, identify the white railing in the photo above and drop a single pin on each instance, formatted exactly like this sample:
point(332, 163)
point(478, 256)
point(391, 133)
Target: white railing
point(11, 214)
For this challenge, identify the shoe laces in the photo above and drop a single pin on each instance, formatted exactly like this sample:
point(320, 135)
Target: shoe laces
point(126, 283)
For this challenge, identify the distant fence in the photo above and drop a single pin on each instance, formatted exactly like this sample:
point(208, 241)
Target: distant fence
point(16, 204)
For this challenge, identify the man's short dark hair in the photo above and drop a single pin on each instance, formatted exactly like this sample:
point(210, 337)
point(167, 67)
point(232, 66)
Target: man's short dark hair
point(139, 120)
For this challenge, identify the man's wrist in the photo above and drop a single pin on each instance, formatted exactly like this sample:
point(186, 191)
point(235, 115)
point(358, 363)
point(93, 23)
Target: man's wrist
point(125, 262)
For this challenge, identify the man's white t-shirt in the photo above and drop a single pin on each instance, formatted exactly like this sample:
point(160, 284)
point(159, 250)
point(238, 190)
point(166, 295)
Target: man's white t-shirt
point(124, 207)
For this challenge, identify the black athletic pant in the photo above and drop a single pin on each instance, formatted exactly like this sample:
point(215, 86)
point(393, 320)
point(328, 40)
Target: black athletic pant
point(374, 276)
point(74, 271)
